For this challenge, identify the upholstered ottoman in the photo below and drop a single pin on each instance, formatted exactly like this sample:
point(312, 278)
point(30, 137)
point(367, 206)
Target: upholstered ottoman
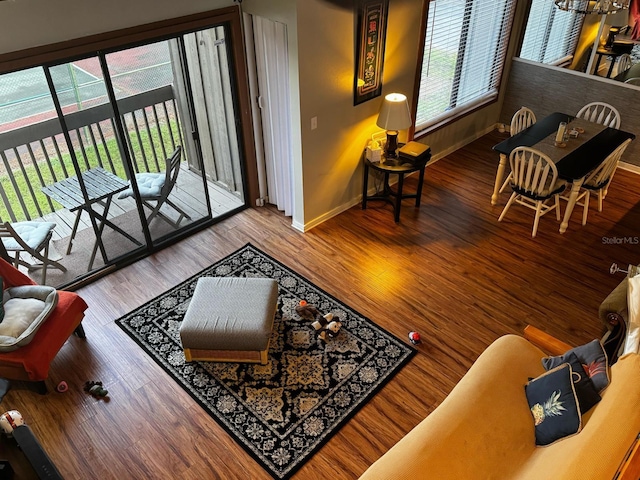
point(230, 320)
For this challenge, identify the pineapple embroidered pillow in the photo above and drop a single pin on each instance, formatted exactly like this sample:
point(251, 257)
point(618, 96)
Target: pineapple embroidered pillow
point(594, 361)
point(554, 405)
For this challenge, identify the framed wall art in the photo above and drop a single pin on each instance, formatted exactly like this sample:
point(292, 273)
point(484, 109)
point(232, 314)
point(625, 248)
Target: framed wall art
point(370, 40)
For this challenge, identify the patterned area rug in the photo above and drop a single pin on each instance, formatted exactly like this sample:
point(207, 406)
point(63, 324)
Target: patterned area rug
point(282, 412)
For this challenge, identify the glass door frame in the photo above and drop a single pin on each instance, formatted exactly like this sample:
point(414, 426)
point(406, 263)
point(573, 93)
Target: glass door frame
point(101, 44)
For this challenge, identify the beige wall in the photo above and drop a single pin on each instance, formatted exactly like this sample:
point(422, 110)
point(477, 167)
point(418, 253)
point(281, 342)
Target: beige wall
point(332, 164)
point(571, 91)
point(327, 161)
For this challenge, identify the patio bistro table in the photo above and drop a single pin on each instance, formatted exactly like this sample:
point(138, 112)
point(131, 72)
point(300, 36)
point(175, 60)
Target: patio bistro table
point(100, 186)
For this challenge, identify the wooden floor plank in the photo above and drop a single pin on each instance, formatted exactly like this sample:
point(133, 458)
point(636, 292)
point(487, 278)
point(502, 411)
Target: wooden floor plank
point(449, 270)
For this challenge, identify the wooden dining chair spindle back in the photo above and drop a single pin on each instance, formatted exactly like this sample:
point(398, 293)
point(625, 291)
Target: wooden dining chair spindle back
point(534, 182)
point(522, 119)
point(624, 63)
point(598, 180)
point(600, 112)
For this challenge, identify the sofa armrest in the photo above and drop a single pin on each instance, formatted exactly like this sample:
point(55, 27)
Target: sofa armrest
point(545, 342)
point(614, 310)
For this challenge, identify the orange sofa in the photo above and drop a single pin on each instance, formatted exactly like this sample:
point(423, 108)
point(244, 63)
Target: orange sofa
point(484, 428)
point(31, 362)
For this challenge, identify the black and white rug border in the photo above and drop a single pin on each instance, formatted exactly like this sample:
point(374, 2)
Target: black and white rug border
point(177, 376)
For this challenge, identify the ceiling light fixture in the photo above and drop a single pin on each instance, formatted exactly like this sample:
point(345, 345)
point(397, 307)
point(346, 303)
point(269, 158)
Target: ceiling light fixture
point(597, 7)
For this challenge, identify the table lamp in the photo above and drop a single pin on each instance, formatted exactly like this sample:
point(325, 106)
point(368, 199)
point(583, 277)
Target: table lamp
point(394, 115)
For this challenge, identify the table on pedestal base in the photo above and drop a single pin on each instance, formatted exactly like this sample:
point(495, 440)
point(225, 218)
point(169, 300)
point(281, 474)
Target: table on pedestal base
point(388, 195)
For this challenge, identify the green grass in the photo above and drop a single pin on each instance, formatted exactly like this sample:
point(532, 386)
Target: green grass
point(28, 182)
point(438, 83)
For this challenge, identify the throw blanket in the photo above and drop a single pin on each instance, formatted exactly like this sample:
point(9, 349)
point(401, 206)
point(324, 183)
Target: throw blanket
point(632, 342)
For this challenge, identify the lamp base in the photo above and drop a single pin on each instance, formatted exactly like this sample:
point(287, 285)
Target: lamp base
point(391, 148)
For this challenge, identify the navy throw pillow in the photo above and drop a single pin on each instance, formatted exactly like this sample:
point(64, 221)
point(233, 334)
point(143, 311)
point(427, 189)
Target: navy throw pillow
point(554, 405)
point(594, 361)
point(586, 391)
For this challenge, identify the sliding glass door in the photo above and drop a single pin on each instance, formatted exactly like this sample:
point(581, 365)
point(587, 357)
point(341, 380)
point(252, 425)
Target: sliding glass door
point(124, 149)
point(93, 170)
point(173, 195)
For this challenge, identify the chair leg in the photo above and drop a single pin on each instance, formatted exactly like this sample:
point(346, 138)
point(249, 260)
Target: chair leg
point(557, 206)
point(155, 212)
point(601, 194)
point(178, 209)
point(585, 209)
point(506, 207)
point(41, 387)
point(506, 182)
point(536, 220)
point(79, 331)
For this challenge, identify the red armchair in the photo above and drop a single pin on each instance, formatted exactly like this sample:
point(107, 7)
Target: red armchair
point(31, 362)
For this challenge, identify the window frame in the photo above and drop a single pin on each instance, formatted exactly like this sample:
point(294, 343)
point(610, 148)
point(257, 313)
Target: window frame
point(469, 107)
point(566, 59)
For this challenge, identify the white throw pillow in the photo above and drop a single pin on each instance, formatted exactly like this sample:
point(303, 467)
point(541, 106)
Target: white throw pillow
point(19, 314)
point(632, 342)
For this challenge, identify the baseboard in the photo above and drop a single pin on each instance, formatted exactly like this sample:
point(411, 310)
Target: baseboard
point(358, 200)
point(298, 226)
point(629, 167)
point(330, 214)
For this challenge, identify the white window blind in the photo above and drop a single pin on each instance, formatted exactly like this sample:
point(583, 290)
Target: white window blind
point(465, 47)
point(551, 34)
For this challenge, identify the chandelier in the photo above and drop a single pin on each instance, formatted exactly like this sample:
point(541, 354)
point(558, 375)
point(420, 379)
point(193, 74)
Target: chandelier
point(598, 7)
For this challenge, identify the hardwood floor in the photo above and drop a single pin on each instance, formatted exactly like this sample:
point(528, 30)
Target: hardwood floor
point(449, 270)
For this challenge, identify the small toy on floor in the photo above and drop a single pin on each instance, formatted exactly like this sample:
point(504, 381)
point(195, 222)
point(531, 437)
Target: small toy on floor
point(331, 330)
point(414, 337)
point(95, 389)
point(327, 326)
point(307, 311)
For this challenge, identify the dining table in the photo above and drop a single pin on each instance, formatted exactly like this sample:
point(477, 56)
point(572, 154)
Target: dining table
point(574, 158)
point(100, 186)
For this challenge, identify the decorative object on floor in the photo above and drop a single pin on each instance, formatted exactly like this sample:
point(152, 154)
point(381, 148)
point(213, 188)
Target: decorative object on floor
point(284, 411)
point(95, 389)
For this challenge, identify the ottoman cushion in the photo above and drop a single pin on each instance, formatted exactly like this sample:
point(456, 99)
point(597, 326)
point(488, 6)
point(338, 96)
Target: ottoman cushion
point(230, 313)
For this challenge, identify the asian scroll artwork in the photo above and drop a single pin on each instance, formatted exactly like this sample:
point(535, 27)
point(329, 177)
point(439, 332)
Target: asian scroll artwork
point(372, 26)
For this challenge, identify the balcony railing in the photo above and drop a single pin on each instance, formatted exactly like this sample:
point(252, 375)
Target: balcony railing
point(37, 155)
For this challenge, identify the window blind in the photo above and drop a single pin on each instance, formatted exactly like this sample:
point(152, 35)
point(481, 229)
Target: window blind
point(465, 47)
point(551, 34)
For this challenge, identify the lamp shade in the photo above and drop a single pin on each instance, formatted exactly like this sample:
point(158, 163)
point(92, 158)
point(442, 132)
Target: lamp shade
point(394, 114)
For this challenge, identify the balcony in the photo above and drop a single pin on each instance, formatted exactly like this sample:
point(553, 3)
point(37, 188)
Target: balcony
point(35, 155)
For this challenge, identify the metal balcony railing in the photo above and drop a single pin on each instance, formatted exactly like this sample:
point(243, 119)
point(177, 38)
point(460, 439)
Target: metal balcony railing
point(37, 155)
